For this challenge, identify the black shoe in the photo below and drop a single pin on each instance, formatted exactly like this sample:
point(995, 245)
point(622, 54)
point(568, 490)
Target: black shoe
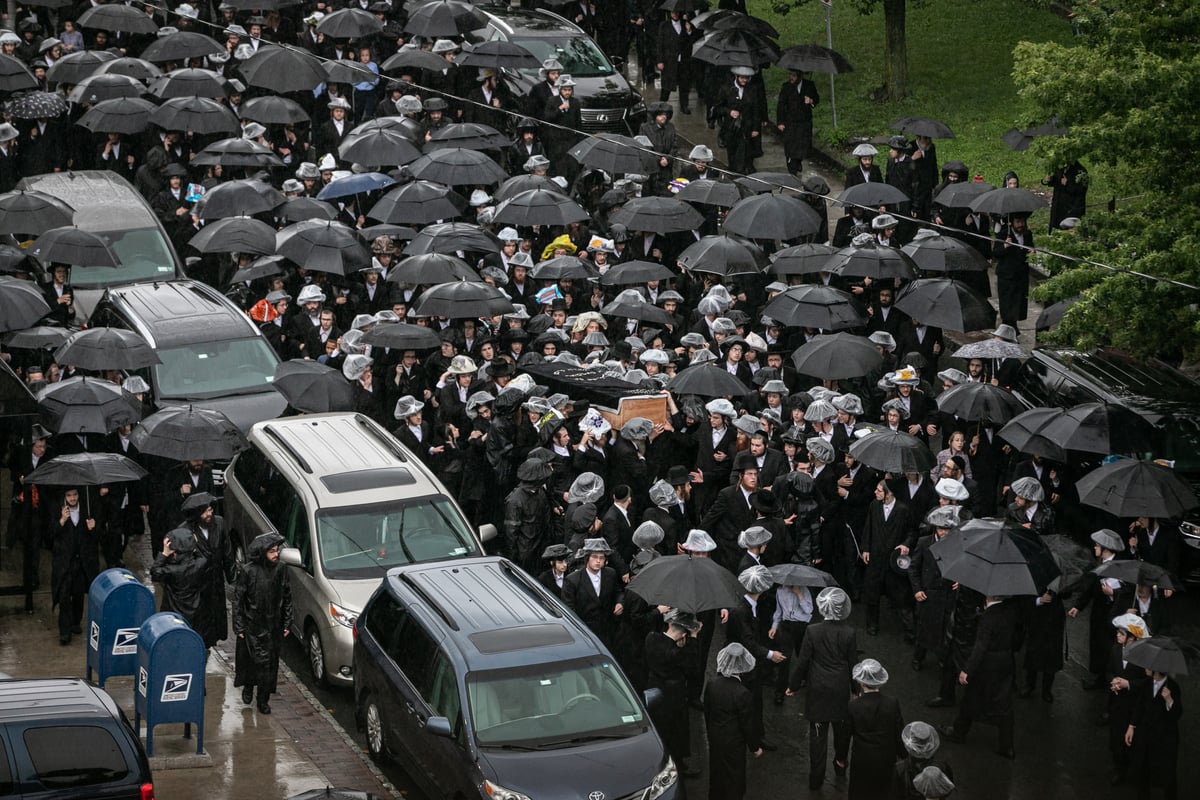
point(64, 638)
point(779, 698)
point(1025, 691)
point(247, 694)
point(1092, 684)
point(951, 735)
point(872, 630)
point(917, 664)
point(909, 638)
point(939, 702)
point(711, 124)
point(1047, 697)
point(839, 769)
point(687, 111)
point(689, 770)
point(76, 629)
point(768, 747)
point(1009, 754)
point(264, 708)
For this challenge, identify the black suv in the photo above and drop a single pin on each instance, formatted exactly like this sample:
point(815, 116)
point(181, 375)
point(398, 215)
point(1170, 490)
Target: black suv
point(609, 103)
point(63, 739)
point(484, 686)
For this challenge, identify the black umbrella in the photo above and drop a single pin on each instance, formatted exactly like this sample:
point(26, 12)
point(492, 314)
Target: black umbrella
point(1023, 432)
point(683, 6)
point(379, 148)
point(189, 83)
point(524, 183)
point(15, 398)
point(772, 216)
point(687, 583)
point(450, 237)
point(933, 252)
point(722, 194)
point(761, 182)
point(32, 212)
point(837, 356)
point(1019, 139)
point(497, 54)
point(872, 195)
point(462, 300)
point(705, 380)
point(235, 235)
point(273, 110)
point(723, 255)
point(735, 48)
point(441, 18)
point(871, 260)
point(723, 18)
point(1162, 654)
point(456, 166)
point(894, 452)
point(980, 402)
point(418, 203)
point(83, 405)
point(470, 135)
point(983, 556)
point(923, 126)
point(86, 469)
point(407, 58)
point(237, 152)
point(195, 114)
point(801, 575)
point(262, 267)
point(283, 70)
point(814, 58)
point(72, 68)
point(118, 18)
point(128, 115)
point(36, 105)
point(301, 209)
point(563, 268)
point(1139, 573)
point(349, 23)
point(428, 269)
point(947, 304)
point(991, 348)
point(181, 46)
point(630, 304)
point(323, 245)
point(815, 306)
point(1133, 488)
point(39, 337)
point(186, 433)
point(402, 336)
point(15, 76)
point(106, 348)
point(71, 245)
point(1053, 314)
point(346, 71)
point(658, 215)
point(801, 259)
point(14, 260)
point(21, 304)
point(234, 199)
point(373, 232)
point(313, 388)
point(632, 273)
point(1104, 428)
point(138, 68)
point(612, 153)
point(1007, 201)
point(98, 88)
point(962, 194)
point(539, 207)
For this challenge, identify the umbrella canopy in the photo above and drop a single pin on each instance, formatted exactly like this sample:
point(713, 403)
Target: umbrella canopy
point(462, 300)
point(324, 246)
point(933, 252)
point(632, 305)
point(346, 71)
point(801, 575)
point(106, 348)
point(456, 166)
point(1053, 314)
point(355, 183)
point(923, 126)
point(72, 68)
point(869, 260)
point(418, 203)
point(1024, 433)
point(563, 268)
point(15, 76)
point(872, 195)
point(760, 182)
point(21, 304)
point(722, 19)
point(1133, 488)
point(1100, 428)
point(413, 58)
point(658, 215)
point(723, 255)
point(471, 135)
point(235, 235)
point(273, 110)
point(539, 207)
point(388, 229)
point(1007, 201)
point(138, 68)
point(349, 23)
point(313, 388)
point(836, 356)
point(722, 194)
point(991, 348)
point(497, 54)
point(263, 267)
point(947, 304)
point(283, 70)
point(301, 209)
point(980, 402)
point(524, 183)
point(687, 583)
point(815, 306)
point(32, 212)
point(894, 452)
point(705, 380)
point(125, 115)
point(450, 237)
point(189, 83)
point(980, 556)
point(118, 18)
point(379, 148)
point(181, 46)
point(234, 199)
point(814, 58)
point(1161, 654)
point(39, 337)
point(732, 47)
point(431, 268)
point(82, 405)
point(1019, 139)
point(441, 18)
point(70, 245)
point(801, 259)
point(772, 216)
point(36, 105)
point(237, 152)
point(86, 469)
point(632, 273)
point(402, 336)
point(98, 88)
point(961, 195)
point(611, 152)
point(186, 433)
point(14, 260)
point(195, 114)
point(1139, 573)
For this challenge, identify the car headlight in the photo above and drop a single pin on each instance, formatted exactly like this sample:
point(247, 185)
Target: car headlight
point(500, 793)
point(342, 616)
point(663, 780)
point(638, 108)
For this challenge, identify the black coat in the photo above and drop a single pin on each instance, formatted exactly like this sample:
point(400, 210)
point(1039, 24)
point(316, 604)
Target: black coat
point(217, 550)
point(1156, 732)
point(796, 116)
point(728, 719)
point(674, 52)
point(76, 556)
point(1012, 276)
point(728, 516)
point(596, 611)
point(676, 672)
point(990, 666)
point(183, 577)
point(829, 651)
point(875, 725)
point(262, 614)
point(854, 176)
point(933, 613)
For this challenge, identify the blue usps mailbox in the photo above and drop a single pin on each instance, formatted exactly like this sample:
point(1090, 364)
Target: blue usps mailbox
point(170, 677)
point(118, 604)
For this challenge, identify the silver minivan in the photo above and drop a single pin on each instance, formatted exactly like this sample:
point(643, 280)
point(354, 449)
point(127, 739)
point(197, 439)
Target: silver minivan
point(351, 503)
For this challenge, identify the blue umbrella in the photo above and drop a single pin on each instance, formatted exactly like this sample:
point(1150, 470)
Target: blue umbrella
point(355, 184)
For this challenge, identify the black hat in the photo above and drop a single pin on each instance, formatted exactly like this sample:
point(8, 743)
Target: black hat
point(500, 368)
point(621, 350)
point(174, 170)
point(558, 304)
point(678, 475)
point(744, 460)
point(196, 503)
point(557, 552)
point(527, 124)
point(661, 108)
point(514, 335)
point(453, 335)
point(765, 502)
point(435, 104)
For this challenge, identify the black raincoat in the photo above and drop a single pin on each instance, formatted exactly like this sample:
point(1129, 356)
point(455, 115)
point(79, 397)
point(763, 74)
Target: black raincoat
point(183, 577)
point(262, 613)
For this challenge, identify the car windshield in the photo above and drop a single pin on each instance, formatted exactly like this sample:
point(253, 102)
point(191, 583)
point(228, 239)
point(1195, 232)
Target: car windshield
point(366, 541)
point(560, 704)
point(142, 255)
point(579, 56)
point(215, 369)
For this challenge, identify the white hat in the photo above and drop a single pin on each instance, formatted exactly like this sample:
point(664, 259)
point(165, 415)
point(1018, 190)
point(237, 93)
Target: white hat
point(327, 163)
point(8, 132)
point(943, 517)
point(135, 384)
point(1029, 489)
point(734, 659)
point(593, 422)
point(699, 541)
point(850, 403)
point(462, 365)
point(253, 130)
point(587, 488)
point(508, 235)
point(884, 221)
point(952, 490)
point(920, 739)
point(662, 494)
point(833, 603)
point(864, 150)
point(564, 82)
point(311, 294)
point(870, 673)
point(821, 450)
point(406, 406)
point(884, 340)
point(444, 46)
point(756, 579)
point(701, 152)
point(754, 536)
point(1106, 538)
point(721, 406)
point(354, 367)
point(648, 534)
point(655, 356)
point(188, 11)
point(480, 198)
point(1132, 624)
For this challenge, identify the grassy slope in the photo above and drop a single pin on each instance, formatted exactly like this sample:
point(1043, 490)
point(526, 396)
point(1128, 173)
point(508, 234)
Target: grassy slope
point(960, 68)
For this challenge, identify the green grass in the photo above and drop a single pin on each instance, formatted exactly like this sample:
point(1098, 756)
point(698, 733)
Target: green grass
point(960, 72)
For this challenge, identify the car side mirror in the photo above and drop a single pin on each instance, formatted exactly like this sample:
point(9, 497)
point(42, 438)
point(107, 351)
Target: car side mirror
point(439, 726)
point(487, 532)
point(653, 697)
point(618, 62)
point(290, 556)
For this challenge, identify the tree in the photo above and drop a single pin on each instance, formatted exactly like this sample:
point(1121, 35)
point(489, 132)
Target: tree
point(1126, 91)
point(895, 42)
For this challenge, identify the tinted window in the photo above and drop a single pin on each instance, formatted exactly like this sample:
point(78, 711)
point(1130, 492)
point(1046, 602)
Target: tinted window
point(443, 694)
point(142, 255)
point(6, 781)
point(1036, 383)
point(579, 55)
point(405, 642)
point(73, 756)
point(215, 369)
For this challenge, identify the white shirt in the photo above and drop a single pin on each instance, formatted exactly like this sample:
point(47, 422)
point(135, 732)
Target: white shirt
point(1158, 685)
point(75, 515)
point(887, 510)
point(717, 435)
point(595, 579)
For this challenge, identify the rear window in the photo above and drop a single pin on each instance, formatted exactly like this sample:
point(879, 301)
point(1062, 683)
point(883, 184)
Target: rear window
point(70, 756)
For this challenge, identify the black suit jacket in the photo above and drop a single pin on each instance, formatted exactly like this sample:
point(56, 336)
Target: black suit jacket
point(596, 611)
point(728, 516)
point(881, 537)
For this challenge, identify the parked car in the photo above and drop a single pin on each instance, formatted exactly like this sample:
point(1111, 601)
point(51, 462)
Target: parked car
point(351, 502)
point(483, 685)
point(106, 204)
point(63, 738)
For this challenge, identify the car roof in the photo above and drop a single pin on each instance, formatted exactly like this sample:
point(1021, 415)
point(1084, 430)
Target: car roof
point(172, 313)
point(495, 615)
point(53, 698)
point(1143, 385)
point(528, 21)
point(102, 200)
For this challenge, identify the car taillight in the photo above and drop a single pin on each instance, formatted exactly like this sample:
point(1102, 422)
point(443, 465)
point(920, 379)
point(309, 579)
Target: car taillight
point(147, 791)
point(354, 630)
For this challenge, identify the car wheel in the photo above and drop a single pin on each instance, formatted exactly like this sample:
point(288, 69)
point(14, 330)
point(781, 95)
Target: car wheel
point(316, 654)
point(373, 724)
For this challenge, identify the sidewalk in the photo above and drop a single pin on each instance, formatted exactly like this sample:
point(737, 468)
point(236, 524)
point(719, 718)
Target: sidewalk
point(248, 756)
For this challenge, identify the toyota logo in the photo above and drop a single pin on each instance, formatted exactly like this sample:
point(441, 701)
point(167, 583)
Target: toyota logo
point(596, 795)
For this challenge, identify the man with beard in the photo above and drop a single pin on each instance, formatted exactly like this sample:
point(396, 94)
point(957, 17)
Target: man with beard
point(75, 562)
point(215, 547)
